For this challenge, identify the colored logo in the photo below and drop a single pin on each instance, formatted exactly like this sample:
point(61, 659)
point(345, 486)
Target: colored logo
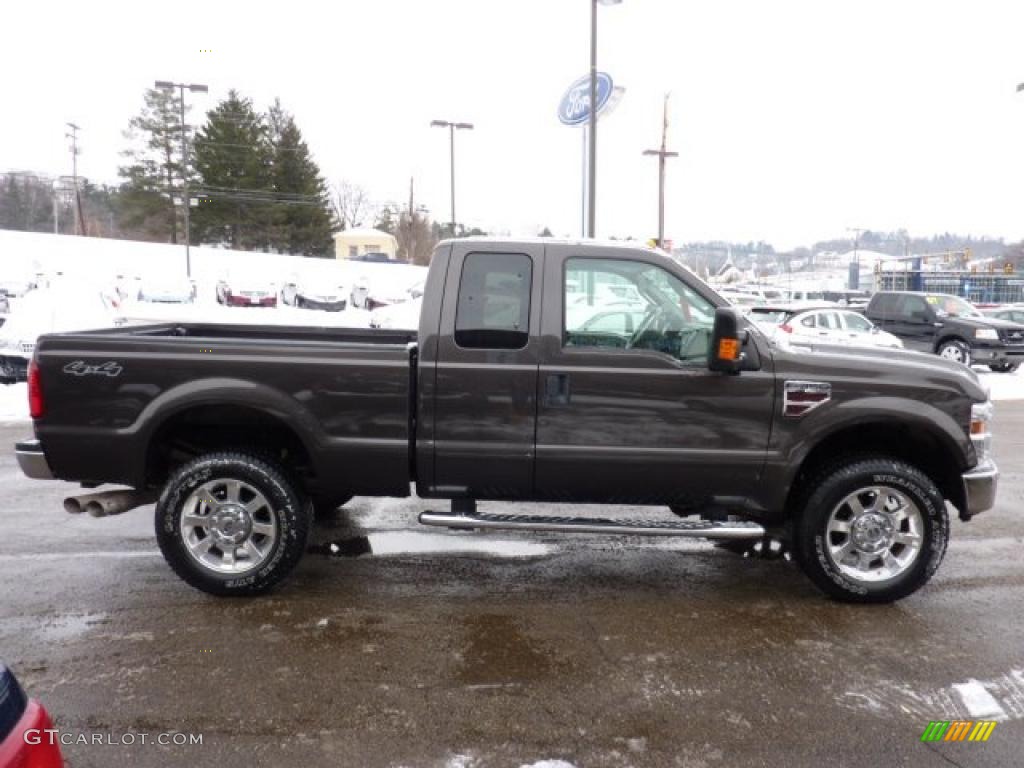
point(574, 108)
point(958, 730)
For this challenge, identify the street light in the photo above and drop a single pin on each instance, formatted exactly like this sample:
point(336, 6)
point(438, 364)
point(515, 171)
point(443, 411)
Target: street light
point(452, 127)
point(592, 120)
point(166, 85)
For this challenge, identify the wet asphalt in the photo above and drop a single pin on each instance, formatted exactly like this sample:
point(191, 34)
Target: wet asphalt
point(394, 645)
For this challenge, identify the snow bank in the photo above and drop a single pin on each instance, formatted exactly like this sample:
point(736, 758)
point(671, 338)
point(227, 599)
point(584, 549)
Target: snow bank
point(1004, 386)
point(14, 402)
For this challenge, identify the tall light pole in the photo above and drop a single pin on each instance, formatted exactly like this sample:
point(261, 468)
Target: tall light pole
point(452, 127)
point(662, 154)
point(592, 120)
point(166, 85)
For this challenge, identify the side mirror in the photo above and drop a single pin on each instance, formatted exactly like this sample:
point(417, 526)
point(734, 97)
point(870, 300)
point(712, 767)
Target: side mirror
point(726, 354)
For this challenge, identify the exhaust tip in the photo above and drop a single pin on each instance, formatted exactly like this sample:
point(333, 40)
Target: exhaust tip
point(72, 505)
point(95, 509)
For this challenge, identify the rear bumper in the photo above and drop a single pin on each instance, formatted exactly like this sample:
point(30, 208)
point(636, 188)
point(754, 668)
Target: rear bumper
point(32, 460)
point(980, 487)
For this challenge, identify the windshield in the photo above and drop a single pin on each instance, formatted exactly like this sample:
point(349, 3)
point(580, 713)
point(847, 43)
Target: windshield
point(952, 306)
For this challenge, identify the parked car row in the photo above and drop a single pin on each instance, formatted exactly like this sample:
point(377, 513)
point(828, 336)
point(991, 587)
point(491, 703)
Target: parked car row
point(937, 323)
point(950, 327)
point(823, 324)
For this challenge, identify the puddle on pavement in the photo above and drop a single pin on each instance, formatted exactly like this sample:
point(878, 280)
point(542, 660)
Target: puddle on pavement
point(498, 653)
point(414, 543)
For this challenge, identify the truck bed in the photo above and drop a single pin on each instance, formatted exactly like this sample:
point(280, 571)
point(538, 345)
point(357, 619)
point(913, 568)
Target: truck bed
point(111, 395)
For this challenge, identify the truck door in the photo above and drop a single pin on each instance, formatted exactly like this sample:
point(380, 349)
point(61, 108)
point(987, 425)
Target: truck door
point(914, 322)
point(485, 402)
point(635, 416)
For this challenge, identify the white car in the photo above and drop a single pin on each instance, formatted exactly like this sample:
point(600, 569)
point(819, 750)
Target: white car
point(64, 307)
point(329, 293)
point(244, 290)
point(167, 289)
point(796, 324)
point(404, 316)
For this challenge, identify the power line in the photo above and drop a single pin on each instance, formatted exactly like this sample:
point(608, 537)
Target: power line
point(204, 142)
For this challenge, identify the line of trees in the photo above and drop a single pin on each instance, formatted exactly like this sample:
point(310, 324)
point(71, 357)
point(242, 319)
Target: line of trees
point(253, 184)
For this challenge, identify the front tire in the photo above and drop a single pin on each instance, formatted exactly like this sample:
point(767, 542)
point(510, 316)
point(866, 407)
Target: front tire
point(955, 350)
point(232, 524)
point(872, 530)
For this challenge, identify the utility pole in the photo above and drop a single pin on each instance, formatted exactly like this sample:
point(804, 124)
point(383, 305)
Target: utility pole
point(662, 154)
point(410, 249)
point(79, 221)
point(853, 280)
point(187, 200)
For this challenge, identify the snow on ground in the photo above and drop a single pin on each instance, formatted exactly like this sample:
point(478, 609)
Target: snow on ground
point(1003, 386)
point(14, 402)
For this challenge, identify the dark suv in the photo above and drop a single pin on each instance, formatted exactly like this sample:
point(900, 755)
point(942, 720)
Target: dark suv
point(950, 327)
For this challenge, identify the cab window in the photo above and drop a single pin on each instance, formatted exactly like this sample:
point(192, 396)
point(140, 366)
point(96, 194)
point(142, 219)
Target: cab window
point(493, 310)
point(632, 305)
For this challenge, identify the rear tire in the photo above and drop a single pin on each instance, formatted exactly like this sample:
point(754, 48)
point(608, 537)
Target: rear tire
point(871, 530)
point(232, 524)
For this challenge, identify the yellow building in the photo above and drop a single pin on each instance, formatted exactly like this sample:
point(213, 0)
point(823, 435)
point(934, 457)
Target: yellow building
point(351, 243)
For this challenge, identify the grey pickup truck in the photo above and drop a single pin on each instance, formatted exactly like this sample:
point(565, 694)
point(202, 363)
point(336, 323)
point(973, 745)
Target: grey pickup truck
point(542, 370)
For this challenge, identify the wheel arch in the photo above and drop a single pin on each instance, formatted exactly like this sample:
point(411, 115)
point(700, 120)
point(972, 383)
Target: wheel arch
point(929, 448)
point(219, 415)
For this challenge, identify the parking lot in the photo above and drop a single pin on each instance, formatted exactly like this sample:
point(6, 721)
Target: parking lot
point(396, 646)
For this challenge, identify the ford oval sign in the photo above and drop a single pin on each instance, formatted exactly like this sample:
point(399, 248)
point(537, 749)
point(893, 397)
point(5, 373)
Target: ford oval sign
point(574, 109)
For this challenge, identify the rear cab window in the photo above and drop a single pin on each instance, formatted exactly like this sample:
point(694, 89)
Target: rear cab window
point(493, 308)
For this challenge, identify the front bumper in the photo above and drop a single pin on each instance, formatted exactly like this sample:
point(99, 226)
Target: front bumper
point(997, 352)
point(32, 460)
point(337, 305)
point(13, 369)
point(239, 300)
point(980, 487)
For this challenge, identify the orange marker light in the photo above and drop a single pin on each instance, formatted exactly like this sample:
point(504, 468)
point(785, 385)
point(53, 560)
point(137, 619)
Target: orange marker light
point(728, 349)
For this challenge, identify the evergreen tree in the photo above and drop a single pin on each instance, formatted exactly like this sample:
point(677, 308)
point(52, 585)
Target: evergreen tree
point(385, 221)
point(152, 176)
point(234, 162)
point(301, 220)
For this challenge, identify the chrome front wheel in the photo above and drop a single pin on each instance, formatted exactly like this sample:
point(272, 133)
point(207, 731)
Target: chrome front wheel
point(870, 529)
point(875, 534)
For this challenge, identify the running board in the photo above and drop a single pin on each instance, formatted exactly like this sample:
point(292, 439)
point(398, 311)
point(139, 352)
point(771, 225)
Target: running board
point(697, 529)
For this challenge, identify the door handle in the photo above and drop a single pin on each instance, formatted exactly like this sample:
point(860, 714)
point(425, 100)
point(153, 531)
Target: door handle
point(556, 389)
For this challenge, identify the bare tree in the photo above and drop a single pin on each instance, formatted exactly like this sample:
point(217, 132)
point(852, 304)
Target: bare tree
point(351, 204)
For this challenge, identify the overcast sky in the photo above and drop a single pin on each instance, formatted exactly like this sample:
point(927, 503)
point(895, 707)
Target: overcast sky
point(794, 120)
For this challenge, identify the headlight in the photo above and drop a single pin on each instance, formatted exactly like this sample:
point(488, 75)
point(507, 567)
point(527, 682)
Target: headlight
point(981, 436)
point(989, 334)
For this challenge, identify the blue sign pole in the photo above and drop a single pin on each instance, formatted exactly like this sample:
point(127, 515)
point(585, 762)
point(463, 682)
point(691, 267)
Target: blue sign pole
point(574, 109)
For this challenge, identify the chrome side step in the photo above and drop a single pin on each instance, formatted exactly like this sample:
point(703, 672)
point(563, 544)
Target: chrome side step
point(697, 529)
